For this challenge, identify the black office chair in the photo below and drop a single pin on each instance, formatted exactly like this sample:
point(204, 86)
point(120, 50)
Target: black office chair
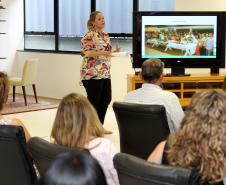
point(43, 152)
point(16, 167)
point(141, 127)
point(135, 171)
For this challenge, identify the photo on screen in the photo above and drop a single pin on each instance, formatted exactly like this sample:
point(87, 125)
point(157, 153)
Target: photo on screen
point(179, 37)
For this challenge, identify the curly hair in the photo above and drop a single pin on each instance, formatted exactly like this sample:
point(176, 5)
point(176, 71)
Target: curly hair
point(200, 143)
point(4, 89)
point(76, 122)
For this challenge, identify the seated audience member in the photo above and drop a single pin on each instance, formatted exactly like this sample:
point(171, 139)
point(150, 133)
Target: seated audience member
point(4, 90)
point(152, 93)
point(77, 125)
point(200, 142)
point(73, 169)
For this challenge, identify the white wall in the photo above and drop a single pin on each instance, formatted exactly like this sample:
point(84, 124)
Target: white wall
point(201, 5)
point(14, 21)
point(58, 74)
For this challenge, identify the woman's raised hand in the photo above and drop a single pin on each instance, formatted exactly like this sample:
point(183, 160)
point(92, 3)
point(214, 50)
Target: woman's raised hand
point(117, 48)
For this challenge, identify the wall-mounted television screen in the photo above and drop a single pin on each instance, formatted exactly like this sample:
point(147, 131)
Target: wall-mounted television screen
point(180, 39)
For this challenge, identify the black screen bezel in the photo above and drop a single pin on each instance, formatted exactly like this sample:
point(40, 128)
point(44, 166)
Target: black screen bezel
point(218, 62)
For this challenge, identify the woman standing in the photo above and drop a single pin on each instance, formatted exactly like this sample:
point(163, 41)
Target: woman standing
point(95, 70)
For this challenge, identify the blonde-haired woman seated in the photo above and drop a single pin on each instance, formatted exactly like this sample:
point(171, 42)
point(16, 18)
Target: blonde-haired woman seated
point(77, 125)
point(4, 91)
point(200, 143)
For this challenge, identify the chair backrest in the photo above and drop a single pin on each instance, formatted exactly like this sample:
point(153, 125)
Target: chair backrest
point(43, 152)
point(141, 127)
point(29, 71)
point(136, 171)
point(16, 165)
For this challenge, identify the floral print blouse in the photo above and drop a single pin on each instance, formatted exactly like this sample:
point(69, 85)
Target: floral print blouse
point(95, 67)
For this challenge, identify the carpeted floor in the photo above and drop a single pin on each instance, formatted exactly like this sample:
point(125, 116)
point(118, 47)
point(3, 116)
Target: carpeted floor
point(18, 106)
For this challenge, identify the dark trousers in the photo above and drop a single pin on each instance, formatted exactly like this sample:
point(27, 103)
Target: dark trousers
point(99, 95)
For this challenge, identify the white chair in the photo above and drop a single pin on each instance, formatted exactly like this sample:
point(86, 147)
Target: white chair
point(28, 78)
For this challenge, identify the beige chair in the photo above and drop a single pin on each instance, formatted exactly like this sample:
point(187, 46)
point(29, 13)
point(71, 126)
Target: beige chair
point(28, 78)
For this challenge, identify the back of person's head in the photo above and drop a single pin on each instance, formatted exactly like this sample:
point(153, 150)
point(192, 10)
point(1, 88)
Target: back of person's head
point(73, 169)
point(200, 143)
point(4, 89)
point(91, 20)
point(151, 70)
point(76, 120)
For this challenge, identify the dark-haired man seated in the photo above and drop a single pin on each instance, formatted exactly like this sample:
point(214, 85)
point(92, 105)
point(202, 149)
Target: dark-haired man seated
point(152, 93)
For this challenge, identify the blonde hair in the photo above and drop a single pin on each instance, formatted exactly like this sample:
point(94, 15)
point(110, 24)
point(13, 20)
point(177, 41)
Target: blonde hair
point(76, 122)
point(4, 89)
point(200, 143)
point(91, 20)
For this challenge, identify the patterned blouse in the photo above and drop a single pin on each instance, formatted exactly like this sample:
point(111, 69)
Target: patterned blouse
point(95, 67)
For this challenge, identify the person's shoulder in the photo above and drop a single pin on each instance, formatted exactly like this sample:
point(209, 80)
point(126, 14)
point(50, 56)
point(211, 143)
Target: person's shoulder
point(170, 94)
point(101, 145)
point(15, 121)
point(134, 92)
point(131, 94)
point(90, 33)
point(169, 98)
point(11, 121)
point(108, 147)
point(103, 141)
point(106, 143)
